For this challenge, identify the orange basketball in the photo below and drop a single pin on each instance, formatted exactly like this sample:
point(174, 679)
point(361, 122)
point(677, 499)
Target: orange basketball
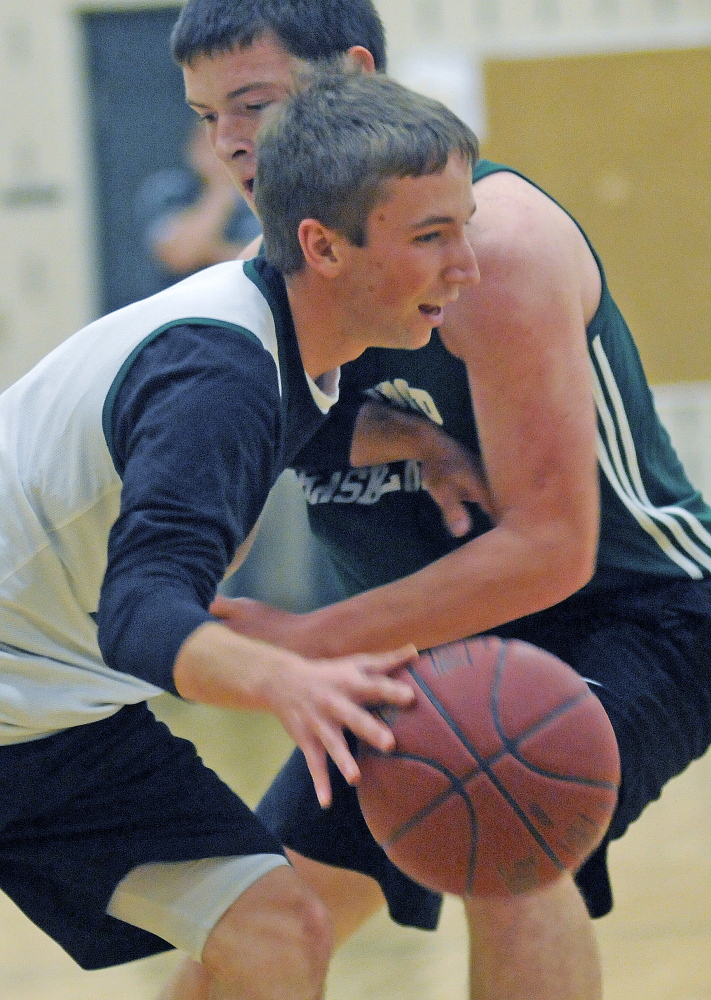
point(505, 771)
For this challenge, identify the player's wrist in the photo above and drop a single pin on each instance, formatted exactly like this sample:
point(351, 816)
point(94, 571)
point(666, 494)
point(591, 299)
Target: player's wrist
point(385, 433)
point(216, 666)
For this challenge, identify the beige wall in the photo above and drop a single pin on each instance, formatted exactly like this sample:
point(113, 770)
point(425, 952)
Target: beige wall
point(44, 289)
point(624, 141)
point(591, 128)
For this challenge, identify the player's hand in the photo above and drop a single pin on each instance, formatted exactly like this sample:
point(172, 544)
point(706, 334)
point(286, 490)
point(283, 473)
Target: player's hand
point(451, 473)
point(327, 695)
point(315, 700)
point(453, 476)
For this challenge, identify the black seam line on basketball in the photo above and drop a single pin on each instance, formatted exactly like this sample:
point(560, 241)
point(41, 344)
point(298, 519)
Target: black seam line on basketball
point(487, 770)
point(457, 787)
point(512, 746)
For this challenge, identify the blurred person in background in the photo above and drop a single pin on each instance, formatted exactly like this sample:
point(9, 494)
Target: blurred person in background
point(192, 216)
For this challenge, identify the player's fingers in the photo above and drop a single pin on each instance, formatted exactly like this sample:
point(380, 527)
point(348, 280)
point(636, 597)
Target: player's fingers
point(451, 504)
point(220, 604)
point(383, 663)
point(345, 714)
point(369, 728)
point(371, 683)
point(330, 741)
point(226, 607)
point(457, 519)
point(318, 769)
point(378, 690)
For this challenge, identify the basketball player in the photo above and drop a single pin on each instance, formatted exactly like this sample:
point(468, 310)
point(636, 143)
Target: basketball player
point(589, 542)
point(135, 460)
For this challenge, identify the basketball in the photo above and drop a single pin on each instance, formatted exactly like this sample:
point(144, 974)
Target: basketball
point(504, 774)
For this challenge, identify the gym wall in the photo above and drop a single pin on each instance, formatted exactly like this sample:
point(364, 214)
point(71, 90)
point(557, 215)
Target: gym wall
point(604, 102)
point(624, 142)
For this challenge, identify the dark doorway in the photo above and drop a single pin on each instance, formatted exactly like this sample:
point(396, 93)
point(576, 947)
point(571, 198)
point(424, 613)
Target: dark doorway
point(139, 123)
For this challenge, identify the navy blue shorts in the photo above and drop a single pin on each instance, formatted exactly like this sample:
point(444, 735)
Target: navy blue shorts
point(80, 809)
point(648, 652)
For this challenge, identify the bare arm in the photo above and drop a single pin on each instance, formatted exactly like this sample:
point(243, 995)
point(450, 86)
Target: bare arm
point(192, 238)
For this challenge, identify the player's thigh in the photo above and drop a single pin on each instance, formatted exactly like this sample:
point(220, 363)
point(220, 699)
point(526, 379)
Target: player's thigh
point(90, 805)
point(181, 902)
point(658, 704)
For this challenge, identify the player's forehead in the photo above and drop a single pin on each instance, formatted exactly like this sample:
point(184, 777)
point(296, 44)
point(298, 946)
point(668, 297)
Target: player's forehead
point(415, 202)
point(229, 74)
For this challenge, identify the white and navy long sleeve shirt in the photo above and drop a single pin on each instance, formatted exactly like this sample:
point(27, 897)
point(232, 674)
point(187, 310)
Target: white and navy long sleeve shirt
point(134, 460)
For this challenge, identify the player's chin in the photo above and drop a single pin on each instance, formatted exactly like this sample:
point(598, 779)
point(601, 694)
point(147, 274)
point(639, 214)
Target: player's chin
point(422, 336)
point(406, 334)
point(418, 331)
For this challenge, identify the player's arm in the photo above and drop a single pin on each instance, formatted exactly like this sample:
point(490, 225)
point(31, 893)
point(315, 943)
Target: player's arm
point(522, 336)
point(192, 237)
point(195, 451)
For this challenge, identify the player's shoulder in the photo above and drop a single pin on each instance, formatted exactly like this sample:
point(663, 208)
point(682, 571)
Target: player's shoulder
point(536, 268)
point(529, 249)
point(517, 225)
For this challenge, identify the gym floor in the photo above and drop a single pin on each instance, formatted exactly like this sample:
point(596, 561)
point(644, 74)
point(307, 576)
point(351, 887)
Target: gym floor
point(656, 945)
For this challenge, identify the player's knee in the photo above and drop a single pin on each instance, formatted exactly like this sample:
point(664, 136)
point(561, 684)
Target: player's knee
point(506, 915)
point(277, 936)
point(306, 936)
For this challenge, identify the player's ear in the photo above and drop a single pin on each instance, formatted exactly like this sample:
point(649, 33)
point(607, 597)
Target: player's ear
point(358, 57)
point(321, 247)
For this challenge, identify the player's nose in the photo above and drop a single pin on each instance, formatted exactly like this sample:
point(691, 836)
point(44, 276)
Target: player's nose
point(230, 142)
point(463, 268)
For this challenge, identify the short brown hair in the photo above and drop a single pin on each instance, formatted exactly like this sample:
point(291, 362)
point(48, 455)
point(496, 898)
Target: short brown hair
point(328, 151)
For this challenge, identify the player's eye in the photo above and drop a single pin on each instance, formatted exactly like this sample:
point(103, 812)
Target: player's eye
point(257, 107)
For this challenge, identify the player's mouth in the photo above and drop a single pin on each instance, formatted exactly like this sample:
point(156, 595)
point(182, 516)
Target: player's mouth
point(248, 188)
point(435, 314)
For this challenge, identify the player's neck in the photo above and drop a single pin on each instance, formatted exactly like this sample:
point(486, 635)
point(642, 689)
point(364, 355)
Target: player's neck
point(325, 339)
